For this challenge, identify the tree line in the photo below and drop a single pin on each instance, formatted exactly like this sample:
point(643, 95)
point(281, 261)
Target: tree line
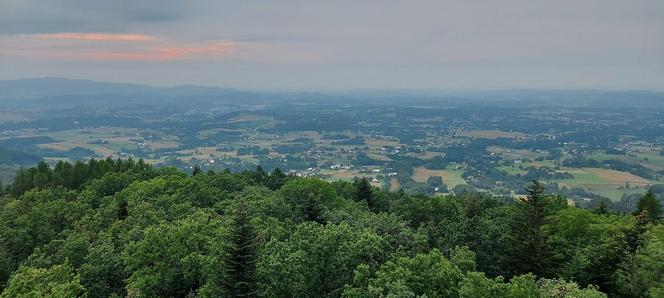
point(121, 228)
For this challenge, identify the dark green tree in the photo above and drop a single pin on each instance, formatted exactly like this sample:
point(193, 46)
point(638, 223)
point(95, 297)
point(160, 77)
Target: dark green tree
point(196, 171)
point(276, 179)
point(602, 208)
point(651, 205)
point(632, 240)
point(363, 191)
point(311, 210)
point(528, 245)
point(259, 175)
point(240, 262)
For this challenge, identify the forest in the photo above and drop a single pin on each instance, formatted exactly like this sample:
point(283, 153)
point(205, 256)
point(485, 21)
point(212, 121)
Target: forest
point(123, 228)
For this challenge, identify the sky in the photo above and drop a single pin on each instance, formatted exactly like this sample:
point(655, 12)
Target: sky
point(339, 44)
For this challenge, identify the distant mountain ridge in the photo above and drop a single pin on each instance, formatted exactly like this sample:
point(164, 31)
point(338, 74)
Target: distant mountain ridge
point(60, 86)
point(53, 90)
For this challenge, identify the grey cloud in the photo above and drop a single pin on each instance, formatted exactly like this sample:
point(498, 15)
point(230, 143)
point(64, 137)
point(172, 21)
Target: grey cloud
point(37, 16)
point(364, 44)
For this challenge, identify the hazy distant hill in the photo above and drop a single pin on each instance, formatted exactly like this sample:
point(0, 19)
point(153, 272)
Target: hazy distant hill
point(59, 86)
point(47, 91)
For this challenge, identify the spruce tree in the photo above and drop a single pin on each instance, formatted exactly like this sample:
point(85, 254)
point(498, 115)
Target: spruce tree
point(276, 179)
point(240, 255)
point(651, 205)
point(311, 210)
point(196, 171)
point(602, 208)
point(363, 191)
point(259, 175)
point(528, 251)
point(624, 281)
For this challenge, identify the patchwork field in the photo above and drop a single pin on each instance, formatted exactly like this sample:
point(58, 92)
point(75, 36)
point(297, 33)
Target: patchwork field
point(609, 183)
point(494, 134)
point(617, 176)
point(514, 154)
point(451, 177)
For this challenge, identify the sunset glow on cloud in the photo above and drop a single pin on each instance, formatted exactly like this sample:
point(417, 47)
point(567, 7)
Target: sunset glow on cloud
point(115, 47)
point(159, 54)
point(97, 36)
point(329, 44)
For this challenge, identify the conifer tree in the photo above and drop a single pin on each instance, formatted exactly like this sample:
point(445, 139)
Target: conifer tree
point(651, 205)
point(196, 171)
point(240, 255)
point(624, 279)
point(259, 175)
point(276, 179)
point(602, 208)
point(311, 209)
point(363, 191)
point(528, 251)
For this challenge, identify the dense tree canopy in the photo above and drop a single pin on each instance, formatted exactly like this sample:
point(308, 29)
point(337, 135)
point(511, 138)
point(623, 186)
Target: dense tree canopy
point(122, 228)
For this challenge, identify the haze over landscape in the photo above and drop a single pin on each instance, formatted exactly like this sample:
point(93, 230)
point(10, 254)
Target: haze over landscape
point(164, 148)
point(590, 44)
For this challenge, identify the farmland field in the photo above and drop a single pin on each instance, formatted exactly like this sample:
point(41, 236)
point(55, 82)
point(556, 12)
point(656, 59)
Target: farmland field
point(395, 144)
point(450, 177)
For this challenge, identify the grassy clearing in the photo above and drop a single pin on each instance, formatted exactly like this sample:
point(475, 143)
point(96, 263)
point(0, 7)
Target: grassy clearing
point(652, 160)
point(494, 134)
point(615, 194)
point(605, 182)
point(581, 177)
point(617, 176)
point(450, 176)
point(512, 170)
point(649, 159)
point(513, 154)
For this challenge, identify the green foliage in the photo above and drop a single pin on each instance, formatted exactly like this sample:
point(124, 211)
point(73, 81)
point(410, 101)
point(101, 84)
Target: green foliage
point(308, 198)
point(173, 259)
point(72, 175)
point(464, 259)
point(644, 270)
point(477, 285)
point(429, 274)
point(56, 281)
point(529, 250)
point(240, 255)
point(316, 260)
point(363, 192)
point(122, 229)
point(650, 205)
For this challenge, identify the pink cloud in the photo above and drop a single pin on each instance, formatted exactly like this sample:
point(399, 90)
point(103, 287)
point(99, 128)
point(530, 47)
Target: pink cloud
point(97, 36)
point(169, 53)
point(67, 46)
point(150, 54)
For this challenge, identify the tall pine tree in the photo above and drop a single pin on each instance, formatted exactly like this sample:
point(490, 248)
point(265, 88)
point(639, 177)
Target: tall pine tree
point(196, 171)
point(311, 209)
point(625, 280)
point(651, 205)
point(240, 255)
point(276, 179)
point(528, 250)
point(363, 191)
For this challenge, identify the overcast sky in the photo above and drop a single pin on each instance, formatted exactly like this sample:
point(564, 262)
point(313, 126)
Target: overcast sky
point(338, 44)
